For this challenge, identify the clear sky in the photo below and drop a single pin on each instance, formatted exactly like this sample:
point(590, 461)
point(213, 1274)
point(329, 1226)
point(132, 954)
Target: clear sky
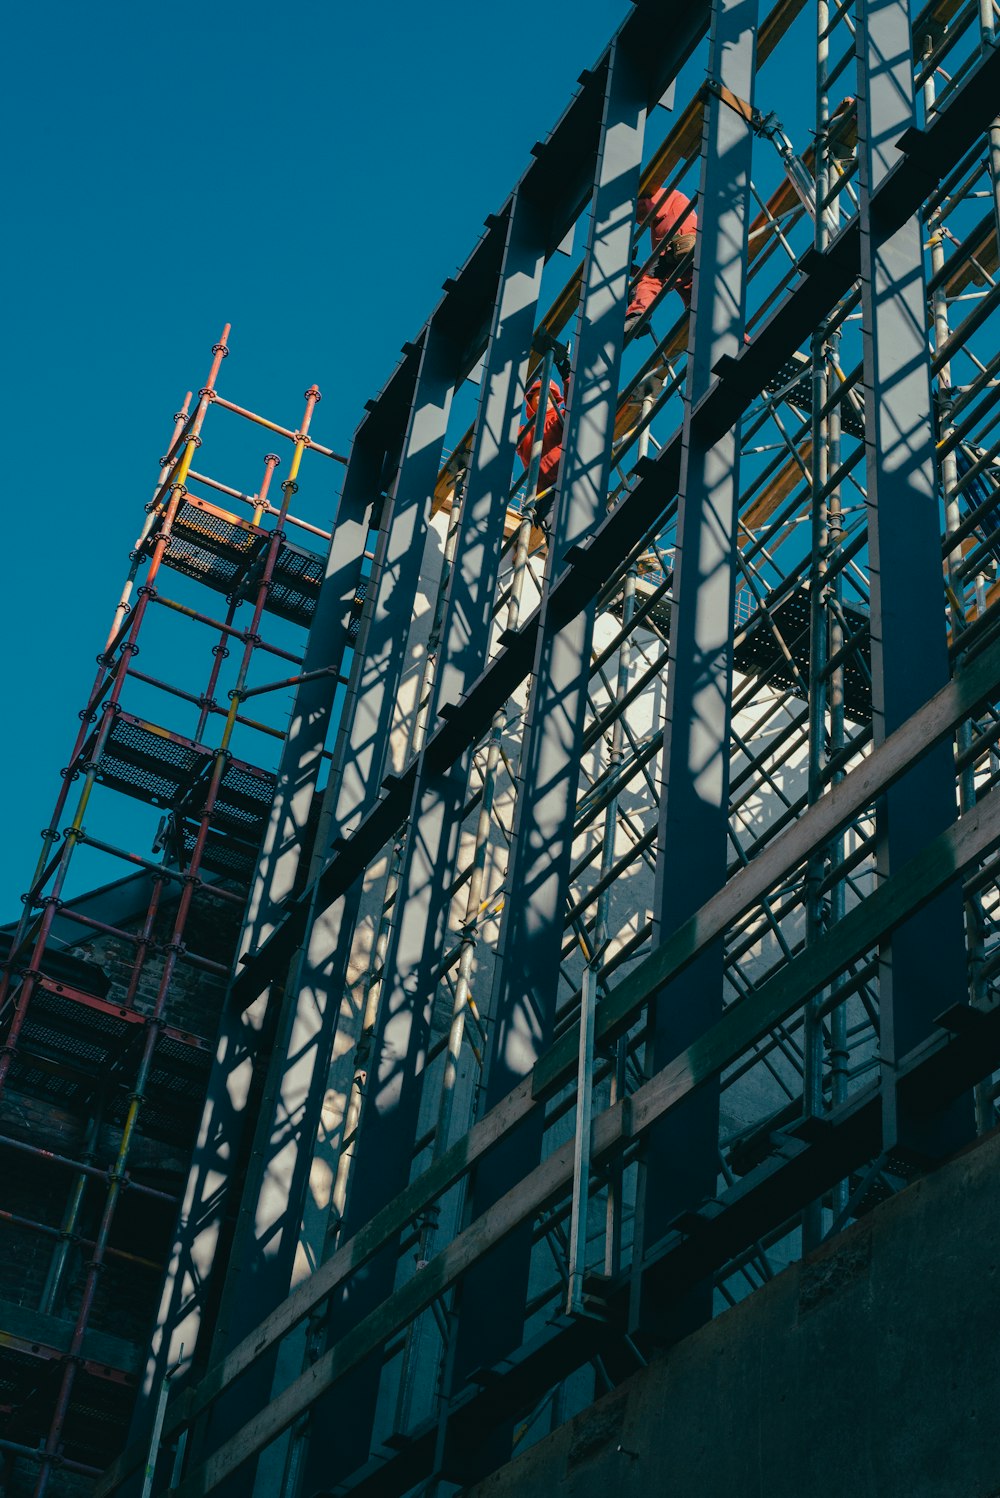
point(310, 173)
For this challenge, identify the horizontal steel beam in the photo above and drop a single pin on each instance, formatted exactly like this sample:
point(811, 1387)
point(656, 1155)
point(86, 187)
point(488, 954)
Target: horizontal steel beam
point(974, 684)
point(896, 900)
point(826, 277)
point(560, 175)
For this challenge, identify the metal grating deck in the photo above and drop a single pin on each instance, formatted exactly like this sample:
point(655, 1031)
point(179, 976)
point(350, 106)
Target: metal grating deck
point(757, 652)
point(222, 854)
point(212, 546)
point(244, 800)
point(295, 584)
point(226, 554)
point(164, 769)
point(98, 1418)
point(360, 594)
point(150, 763)
point(794, 383)
point(242, 804)
point(72, 1044)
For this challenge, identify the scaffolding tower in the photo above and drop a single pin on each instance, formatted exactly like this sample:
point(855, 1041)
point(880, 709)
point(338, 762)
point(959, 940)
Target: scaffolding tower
point(110, 997)
point(645, 932)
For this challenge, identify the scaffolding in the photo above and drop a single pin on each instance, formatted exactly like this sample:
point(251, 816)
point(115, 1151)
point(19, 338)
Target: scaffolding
point(109, 999)
point(646, 931)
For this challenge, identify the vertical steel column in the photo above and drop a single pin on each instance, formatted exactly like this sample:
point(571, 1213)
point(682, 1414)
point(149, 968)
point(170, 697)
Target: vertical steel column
point(922, 967)
point(388, 1125)
point(267, 1233)
point(945, 397)
point(681, 1154)
point(988, 39)
point(243, 1034)
point(527, 974)
point(285, 837)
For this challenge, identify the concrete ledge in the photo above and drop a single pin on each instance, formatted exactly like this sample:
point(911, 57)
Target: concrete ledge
point(872, 1369)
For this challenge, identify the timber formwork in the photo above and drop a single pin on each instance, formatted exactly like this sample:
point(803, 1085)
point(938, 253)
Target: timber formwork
point(649, 932)
point(109, 997)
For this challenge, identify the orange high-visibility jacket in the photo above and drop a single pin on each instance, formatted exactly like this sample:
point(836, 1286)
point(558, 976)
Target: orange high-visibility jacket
point(671, 217)
point(552, 432)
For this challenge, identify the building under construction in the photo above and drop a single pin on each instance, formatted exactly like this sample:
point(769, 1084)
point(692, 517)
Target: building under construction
point(507, 997)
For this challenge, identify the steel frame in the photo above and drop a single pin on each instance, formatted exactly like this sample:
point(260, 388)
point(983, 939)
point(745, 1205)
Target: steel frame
point(214, 802)
point(816, 519)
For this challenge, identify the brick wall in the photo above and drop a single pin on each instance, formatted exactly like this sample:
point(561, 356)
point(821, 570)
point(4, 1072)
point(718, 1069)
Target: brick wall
point(128, 1287)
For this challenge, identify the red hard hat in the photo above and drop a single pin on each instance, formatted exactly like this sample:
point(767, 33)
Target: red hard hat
point(555, 388)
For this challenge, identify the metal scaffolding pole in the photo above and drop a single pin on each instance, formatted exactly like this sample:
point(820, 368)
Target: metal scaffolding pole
point(242, 1034)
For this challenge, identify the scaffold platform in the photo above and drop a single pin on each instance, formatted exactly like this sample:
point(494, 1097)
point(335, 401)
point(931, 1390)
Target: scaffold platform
point(225, 552)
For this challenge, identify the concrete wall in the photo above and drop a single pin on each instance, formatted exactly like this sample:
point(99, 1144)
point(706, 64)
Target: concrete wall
point(870, 1369)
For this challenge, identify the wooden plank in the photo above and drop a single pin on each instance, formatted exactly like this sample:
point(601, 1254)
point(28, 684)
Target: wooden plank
point(787, 478)
point(982, 248)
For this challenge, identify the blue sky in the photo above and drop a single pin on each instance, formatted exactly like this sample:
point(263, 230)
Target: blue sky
point(311, 174)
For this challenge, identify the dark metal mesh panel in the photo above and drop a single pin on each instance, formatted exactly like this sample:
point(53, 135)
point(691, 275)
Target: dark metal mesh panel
point(66, 1011)
point(212, 546)
point(794, 381)
point(758, 651)
point(148, 763)
point(244, 800)
point(203, 524)
point(27, 1075)
point(222, 853)
point(98, 1417)
point(360, 594)
point(295, 584)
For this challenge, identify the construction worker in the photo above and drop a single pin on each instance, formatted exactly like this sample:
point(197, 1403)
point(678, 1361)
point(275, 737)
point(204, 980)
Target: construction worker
point(842, 131)
point(673, 229)
point(552, 431)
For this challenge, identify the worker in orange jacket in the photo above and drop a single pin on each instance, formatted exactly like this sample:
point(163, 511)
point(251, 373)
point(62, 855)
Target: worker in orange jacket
point(552, 431)
point(673, 229)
